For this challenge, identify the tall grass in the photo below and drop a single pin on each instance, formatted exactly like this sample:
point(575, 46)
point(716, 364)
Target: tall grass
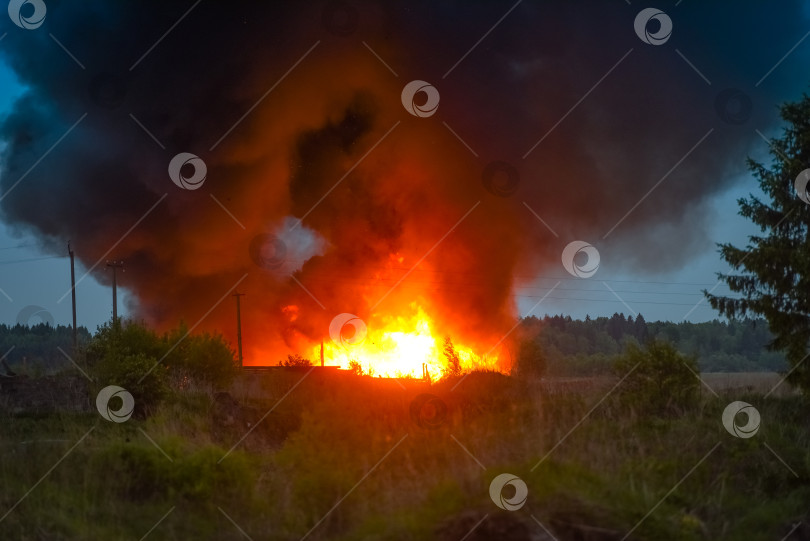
point(343, 458)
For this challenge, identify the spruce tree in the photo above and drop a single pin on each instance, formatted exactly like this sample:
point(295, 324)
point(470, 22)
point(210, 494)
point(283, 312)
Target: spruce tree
point(771, 275)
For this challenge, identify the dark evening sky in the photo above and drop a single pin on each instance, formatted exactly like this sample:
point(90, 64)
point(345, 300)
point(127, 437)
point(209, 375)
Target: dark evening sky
point(328, 190)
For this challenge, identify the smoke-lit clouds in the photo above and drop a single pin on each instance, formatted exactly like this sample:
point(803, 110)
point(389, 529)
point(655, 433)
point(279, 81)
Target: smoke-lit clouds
point(281, 162)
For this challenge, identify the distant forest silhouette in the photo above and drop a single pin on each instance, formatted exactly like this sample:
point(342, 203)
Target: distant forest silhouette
point(570, 347)
point(576, 347)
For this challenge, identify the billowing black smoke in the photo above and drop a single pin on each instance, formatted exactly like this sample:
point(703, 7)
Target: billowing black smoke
point(295, 109)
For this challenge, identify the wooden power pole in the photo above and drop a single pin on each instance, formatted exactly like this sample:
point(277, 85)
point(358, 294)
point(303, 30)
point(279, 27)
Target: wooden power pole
point(115, 265)
point(239, 325)
point(73, 293)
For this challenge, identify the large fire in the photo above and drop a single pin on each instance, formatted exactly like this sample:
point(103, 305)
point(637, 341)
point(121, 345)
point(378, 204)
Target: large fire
point(397, 346)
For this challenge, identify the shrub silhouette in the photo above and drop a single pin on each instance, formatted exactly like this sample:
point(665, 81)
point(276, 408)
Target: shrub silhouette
point(204, 359)
point(453, 362)
point(530, 359)
point(127, 355)
point(295, 360)
point(134, 357)
point(660, 381)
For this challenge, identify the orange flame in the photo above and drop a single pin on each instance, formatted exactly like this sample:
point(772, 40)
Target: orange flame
point(397, 346)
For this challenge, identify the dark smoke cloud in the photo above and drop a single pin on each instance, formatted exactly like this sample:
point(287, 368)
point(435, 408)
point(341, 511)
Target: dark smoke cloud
point(405, 195)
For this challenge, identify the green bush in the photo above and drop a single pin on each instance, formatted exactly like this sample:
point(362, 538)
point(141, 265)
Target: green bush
point(123, 338)
point(126, 355)
point(127, 351)
point(660, 381)
point(204, 359)
point(138, 373)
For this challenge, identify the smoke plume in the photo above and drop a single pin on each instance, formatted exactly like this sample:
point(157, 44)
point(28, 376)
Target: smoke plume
point(324, 195)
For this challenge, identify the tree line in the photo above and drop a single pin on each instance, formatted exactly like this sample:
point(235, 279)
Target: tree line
point(35, 349)
point(564, 346)
point(570, 347)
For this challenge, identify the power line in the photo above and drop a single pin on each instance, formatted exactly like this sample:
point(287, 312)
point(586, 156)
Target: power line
point(629, 281)
point(17, 246)
point(629, 301)
point(363, 280)
point(15, 261)
point(435, 271)
point(516, 276)
point(680, 293)
point(610, 300)
point(411, 283)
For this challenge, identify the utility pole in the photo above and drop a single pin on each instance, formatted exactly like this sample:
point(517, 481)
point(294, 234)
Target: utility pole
point(239, 325)
point(115, 265)
point(73, 293)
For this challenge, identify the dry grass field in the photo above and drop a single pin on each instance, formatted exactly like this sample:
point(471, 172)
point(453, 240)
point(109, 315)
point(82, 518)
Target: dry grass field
point(749, 382)
point(338, 456)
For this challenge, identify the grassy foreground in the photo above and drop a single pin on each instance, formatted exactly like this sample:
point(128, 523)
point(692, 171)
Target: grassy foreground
point(353, 459)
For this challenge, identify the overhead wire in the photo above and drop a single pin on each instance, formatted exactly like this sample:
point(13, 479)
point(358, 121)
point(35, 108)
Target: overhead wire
point(528, 277)
point(27, 260)
point(321, 277)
